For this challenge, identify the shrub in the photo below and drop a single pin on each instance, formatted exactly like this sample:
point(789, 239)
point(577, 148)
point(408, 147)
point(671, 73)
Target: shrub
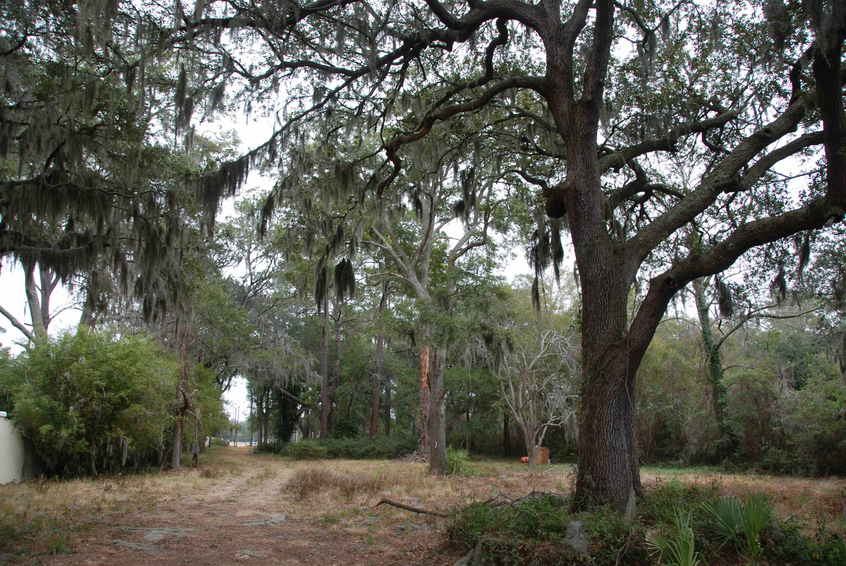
point(458, 463)
point(784, 543)
point(379, 448)
point(741, 523)
point(93, 402)
point(830, 550)
point(536, 516)
point(307, 450)
point(615, 540)
point(677, 545)
point(533, 530)
point(662, 501)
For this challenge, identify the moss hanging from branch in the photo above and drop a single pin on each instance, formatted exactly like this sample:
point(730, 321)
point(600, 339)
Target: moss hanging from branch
point(344, 280)
point(725, 300)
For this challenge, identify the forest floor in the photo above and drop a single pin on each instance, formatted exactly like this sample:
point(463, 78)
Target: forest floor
point(244, 508)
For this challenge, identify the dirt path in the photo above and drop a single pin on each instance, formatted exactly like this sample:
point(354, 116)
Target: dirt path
point(251, 518)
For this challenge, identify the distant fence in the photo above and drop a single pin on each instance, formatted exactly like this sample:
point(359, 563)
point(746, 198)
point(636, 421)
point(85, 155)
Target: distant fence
point(15, 460)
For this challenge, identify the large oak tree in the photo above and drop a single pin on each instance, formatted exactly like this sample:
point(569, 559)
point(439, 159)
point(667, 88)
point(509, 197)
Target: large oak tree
point(582, 99)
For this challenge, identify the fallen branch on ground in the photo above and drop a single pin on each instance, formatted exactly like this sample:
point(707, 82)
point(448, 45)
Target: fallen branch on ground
point(410, 508)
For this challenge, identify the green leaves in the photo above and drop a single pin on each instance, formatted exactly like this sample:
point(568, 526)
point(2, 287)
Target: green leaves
point(81, 397)
point(677, 547)
point(740, 523)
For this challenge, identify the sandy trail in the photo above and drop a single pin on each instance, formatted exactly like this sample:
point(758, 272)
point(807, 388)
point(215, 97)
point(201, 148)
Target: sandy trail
point(250, 518)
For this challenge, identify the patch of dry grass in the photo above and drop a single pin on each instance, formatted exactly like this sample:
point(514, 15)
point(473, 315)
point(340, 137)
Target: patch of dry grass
point(41, 516)
point(812, 500)
point(307, 482)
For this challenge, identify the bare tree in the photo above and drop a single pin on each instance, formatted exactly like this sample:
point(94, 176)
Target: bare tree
point(538, 380)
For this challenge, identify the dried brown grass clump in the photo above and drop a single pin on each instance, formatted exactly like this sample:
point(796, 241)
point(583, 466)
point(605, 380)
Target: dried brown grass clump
point(210, 473)
point(309, 481)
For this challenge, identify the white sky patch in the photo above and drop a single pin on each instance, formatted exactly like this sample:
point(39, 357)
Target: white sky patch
point(235, 399)
point(13, 299)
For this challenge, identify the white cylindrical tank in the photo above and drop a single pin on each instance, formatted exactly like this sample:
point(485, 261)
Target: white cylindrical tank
point(12, 453)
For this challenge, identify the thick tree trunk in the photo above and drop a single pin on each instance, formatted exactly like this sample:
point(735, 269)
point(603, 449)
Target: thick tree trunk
point(529, 443)
point(437, 414)
point(176, 457)
point(608, 469)
point(423, 413)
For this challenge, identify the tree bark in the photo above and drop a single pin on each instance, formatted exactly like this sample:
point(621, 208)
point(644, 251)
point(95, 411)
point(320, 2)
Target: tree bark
point(608, 468)
point(49, 280)
point(33, 299)
point(18, 324)
point(176, 457)
point(423, 413)
point(437, 414)
point(608, 471)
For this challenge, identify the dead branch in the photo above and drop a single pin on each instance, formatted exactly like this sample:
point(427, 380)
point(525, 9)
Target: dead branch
point(410, 508)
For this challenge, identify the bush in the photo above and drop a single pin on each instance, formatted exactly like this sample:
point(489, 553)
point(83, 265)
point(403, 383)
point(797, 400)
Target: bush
point(533, 530)
point(687, 525)
point(306, 450)
point(740, 523)
point(458, 463)
point(677, 544)
point(91, 402)
point(538, 516)
point(379, 448)
point(661, 502)
point(779, 461)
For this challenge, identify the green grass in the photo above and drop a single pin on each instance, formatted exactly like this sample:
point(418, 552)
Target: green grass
point(669, 470)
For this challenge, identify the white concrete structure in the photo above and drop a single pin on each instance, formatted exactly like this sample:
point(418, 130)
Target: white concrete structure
point(13, 460)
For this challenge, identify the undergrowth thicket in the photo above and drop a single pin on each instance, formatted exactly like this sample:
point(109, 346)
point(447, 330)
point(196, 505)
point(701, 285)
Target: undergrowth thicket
point(676, 525)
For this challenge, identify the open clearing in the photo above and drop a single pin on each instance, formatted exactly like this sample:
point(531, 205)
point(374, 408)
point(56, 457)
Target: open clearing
point(261, 509)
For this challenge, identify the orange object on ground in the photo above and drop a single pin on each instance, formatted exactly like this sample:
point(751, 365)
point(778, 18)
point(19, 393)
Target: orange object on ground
point(524, 459)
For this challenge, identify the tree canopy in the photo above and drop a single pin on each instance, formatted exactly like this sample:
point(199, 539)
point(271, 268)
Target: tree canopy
point(667, 139)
